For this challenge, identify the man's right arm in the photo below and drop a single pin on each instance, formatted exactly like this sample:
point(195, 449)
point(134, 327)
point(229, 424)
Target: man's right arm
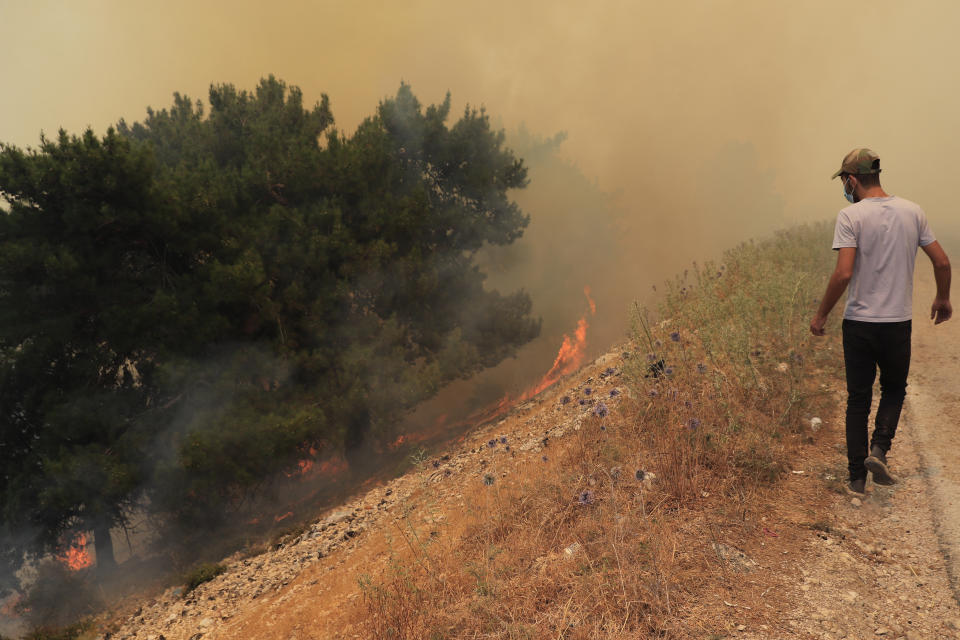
point(941, 310)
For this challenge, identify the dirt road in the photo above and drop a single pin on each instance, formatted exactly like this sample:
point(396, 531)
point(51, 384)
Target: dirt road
point(888, 565)
point(934, 412)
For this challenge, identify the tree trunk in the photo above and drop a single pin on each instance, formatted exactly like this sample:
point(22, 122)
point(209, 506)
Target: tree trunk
point(103, 543)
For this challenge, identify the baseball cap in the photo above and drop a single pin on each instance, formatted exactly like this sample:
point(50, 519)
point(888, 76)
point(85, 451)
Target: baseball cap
point(858, 162)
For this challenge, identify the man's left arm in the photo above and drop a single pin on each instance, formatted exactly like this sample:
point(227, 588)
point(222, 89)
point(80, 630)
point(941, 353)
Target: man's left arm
point(835, 288)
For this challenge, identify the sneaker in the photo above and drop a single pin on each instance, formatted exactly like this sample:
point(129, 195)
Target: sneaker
point(876, 463)
point(857, 486)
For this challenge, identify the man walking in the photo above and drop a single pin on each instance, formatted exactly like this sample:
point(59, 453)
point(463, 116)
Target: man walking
point(877, 238)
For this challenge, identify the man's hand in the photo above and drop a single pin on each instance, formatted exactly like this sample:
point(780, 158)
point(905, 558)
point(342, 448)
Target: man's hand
point(817, 324)
point(941, 311)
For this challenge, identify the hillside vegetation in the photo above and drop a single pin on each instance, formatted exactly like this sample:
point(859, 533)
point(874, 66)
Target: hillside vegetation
point(195, 304)
point(604, 536)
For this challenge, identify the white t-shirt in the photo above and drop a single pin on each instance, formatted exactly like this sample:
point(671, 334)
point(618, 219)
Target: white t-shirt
point(886, 232)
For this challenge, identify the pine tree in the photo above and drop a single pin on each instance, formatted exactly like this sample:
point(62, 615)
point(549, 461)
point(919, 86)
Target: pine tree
point(188, 302)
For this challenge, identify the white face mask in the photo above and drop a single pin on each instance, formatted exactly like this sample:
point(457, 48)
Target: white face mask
point(848, 194)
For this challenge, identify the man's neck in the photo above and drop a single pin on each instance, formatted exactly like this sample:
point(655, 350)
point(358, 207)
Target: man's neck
point(874, 192)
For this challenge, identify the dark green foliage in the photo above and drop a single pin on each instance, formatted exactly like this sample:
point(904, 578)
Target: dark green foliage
point(203, 573)
point(188, 302)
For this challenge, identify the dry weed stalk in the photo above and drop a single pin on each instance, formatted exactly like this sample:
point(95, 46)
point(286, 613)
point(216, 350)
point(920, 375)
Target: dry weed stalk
point(609, 537)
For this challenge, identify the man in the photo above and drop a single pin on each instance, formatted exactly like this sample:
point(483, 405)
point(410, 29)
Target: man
point(877, 238)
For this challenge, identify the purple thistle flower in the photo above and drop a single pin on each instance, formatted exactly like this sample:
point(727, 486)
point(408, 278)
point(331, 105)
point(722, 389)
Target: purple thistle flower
point(492, 444)
point(582, 402)
point(585, 497)
point(675, 336)
point(640, 475)
point(600, 410)
point(653, 393)
point(694, 423)
point(565, 400)
point(668, 371)
point(614, 393)
point(487, 479)
point(603, 427)
point(544, 458)
point(701, 368)
point(610, 371)
point(436, 464)
point(719, 274)
point(503, 439)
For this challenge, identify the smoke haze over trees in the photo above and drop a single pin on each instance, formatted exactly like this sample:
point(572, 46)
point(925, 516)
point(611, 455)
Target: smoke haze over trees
point(190, 302)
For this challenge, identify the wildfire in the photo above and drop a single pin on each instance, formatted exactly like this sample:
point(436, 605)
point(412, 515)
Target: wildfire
point(569, 358)
point(411, 438)
point(309, 466)
point(571, 354)
point(76, 556)
point(333, 466)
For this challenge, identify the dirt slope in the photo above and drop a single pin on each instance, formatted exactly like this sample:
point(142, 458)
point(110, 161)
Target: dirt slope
point(830, 567)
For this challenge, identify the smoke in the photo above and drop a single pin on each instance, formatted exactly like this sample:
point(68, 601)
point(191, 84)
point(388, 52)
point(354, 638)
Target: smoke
point(654, 96)
point(688, 126)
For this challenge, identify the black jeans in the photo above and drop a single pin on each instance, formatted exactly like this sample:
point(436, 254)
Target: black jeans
point(866, 346)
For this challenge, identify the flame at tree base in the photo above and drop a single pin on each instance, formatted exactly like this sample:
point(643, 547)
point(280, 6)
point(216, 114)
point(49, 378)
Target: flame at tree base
point(76, 557)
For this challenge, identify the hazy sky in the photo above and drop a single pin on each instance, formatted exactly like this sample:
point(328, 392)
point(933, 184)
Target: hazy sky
point(651, 93)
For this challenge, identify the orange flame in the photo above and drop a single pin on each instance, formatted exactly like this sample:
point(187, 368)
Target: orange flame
point(283, 517)
point(303, 466)
point(569, 358)
point(413, 438)
point(332, 466)
point(76, 556)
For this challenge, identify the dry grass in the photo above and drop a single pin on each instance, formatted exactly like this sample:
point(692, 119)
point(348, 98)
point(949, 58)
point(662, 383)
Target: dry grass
point(619, 532)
